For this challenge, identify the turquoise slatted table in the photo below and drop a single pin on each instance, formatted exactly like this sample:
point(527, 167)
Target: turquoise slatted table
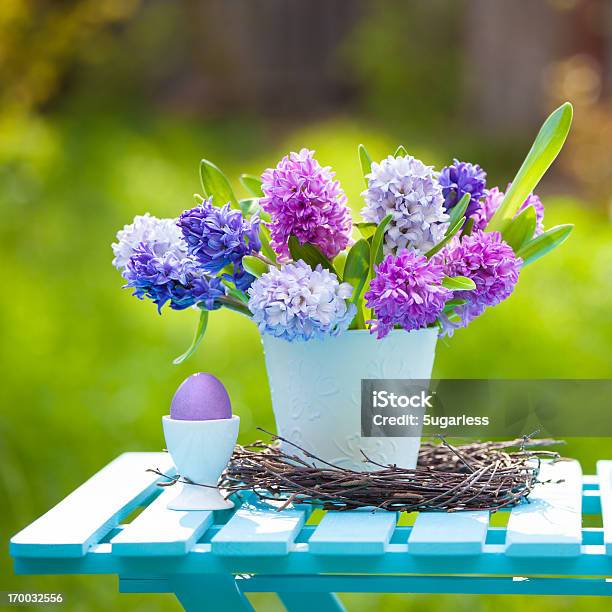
point(210, 560)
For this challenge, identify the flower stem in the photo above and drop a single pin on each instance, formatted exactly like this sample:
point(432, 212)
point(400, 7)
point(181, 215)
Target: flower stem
point(235, 305)
point(263, 258)
point(200, 331)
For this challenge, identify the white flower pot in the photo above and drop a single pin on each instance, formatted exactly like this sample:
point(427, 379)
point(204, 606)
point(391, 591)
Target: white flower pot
point(316, 391)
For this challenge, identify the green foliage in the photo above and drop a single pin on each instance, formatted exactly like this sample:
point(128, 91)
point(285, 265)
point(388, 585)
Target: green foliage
point(365, 161)
point(216, 184)
point(458, 283)
point(546, 147)
point(521, 228)
point(199, 335)
point(356, 270)
point(457, 212)
point(376, 253)
point(450, 233)
point(252, 184)
point(266, 249)
point(309, 253)
point(366, 229)
point(468, 227)
point(542, 244)
point(254, 265)
point(357, 266)
point(340, 263)
point(249, 206)
point(234, 292)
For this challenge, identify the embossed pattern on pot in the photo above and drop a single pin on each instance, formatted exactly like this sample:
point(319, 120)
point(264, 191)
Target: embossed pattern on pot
point(316, 386)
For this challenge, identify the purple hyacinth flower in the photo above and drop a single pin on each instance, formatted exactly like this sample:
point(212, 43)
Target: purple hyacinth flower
point(460, 178)
point(406, 291)
point(489, 262)
point(487, 208)
point(171, 278)
point(217, 237)
point(240, 277)
point(303, 199)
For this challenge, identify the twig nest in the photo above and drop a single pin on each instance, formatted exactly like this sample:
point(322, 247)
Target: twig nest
point(201, 397)
point(477, 476)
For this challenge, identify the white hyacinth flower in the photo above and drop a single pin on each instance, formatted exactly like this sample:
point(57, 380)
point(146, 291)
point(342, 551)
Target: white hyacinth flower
point(162, 235)
point(409, 190)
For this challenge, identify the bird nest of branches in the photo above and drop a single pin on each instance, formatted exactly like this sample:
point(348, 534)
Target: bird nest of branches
point(447, 478)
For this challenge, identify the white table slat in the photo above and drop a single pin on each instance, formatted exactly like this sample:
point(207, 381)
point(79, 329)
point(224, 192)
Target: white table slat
point(358, 532)
point(604, 472)
point(159, 531)
point(443, 533)
point(89, 512)
point(551, 524)
point(257, 529)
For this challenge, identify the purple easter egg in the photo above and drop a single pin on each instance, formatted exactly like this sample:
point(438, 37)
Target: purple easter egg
point(201, 397)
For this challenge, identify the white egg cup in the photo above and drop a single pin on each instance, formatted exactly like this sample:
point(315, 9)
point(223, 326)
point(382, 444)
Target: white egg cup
point(201, 451)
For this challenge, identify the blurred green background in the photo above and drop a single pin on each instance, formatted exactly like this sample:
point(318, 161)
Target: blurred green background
point(106, 108)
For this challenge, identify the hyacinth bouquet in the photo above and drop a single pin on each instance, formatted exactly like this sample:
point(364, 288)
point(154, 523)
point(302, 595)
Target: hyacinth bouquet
point(432, 250)
point(339, 301)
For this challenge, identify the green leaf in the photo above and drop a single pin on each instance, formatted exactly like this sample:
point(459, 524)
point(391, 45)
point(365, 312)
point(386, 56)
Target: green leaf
point(447, 238)
point(200, 331)
point(249, 206)
point(376, 252)
point(357, 267)
point(238, 307)
point(458, 283)
point(400, 151)
point(366, 229)
point(366, 162)
point(458, 211)
point(308, 253)
point(254, 266)
point(359, 320)
point(356, 271)
point(234, 292)
point(468, 227)
point(266, 249)
point(520, 229)
point(542, 244)
point(339, 262)
point(215, 183)
point(544, 150)
point(252, 184)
